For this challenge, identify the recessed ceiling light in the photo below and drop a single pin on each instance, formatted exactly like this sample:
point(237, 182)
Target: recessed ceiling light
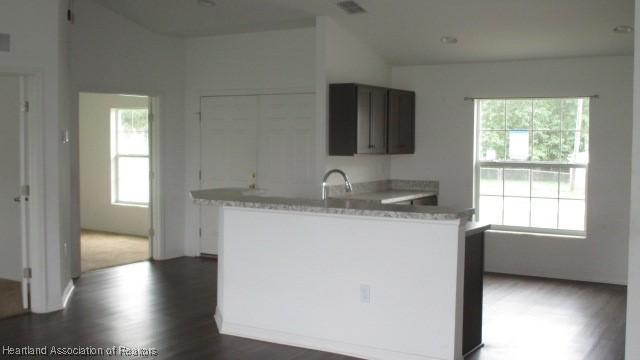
point(623, 29)
point(206, 3)
point(448, 40)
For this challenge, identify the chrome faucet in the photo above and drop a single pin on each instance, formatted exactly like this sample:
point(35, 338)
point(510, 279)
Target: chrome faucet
point(347, 183)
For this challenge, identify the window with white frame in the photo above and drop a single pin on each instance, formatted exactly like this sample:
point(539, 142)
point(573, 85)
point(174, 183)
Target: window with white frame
point(130, 157)
point(532, 160)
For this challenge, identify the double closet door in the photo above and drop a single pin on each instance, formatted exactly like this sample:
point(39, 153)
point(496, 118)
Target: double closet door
point(266, 140)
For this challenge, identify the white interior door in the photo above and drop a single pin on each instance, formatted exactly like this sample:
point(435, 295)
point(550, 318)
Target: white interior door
point(12, 197)
point(228, 153)
point(272, 136)
point(286, 138)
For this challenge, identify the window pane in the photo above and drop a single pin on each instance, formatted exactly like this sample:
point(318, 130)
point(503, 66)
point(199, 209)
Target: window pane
point(544, 182)
point(492, 145)
point(519, 114)
point(585, 116)
point(133, 180)
point(575, 114)
point(516, 211)
point(546, 146)
point(516, 182)
point(492, 115)
point(518, 144)
point(490, 181)
point(573, 183)
point(574, 147)
point(490, 210)
point(544, 213)
point(132, 132)
point(571, 215)
point(133, 143)
point(547, 114)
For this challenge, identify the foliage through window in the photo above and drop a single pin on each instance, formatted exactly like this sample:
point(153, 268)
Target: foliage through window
point(532, 159)
point(129, 156)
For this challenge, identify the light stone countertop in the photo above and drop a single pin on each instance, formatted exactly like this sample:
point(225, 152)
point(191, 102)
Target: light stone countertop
point(472, 228)
point(241, 197)
point(389, 196)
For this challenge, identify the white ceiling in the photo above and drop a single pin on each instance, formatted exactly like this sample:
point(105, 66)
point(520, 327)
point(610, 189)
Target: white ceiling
point(409, 31)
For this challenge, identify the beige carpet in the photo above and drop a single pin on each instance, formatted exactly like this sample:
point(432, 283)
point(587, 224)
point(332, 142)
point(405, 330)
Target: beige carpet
point(102, 249)
point(10, 298)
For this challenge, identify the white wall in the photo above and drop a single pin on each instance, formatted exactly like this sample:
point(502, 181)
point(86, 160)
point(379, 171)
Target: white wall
point(111, 54)
point(97, 210)
point(444, 152)
point(347, 59)
point(301, 286)
point(633, 289)
point(264, 62)
point(39, 48)
point(11, 254)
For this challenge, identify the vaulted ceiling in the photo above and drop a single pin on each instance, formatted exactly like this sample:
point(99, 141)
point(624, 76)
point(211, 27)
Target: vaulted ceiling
point(409, 31)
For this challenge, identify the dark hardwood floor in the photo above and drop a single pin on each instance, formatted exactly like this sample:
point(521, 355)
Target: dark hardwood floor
point(528, 318)
point(169, 306)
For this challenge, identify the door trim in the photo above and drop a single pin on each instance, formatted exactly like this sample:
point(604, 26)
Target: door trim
point(156, 237)
point(24, 195)
point(254, 92)
point(42, 298)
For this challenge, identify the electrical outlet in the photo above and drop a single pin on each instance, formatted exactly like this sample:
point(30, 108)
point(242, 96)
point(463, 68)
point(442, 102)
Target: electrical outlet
point(365, 293)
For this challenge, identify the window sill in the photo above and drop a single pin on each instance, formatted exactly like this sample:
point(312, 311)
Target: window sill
point(538, 233)
point(130, 204)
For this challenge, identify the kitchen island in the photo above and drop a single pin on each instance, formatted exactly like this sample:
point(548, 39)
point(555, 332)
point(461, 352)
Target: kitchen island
point(341, 275)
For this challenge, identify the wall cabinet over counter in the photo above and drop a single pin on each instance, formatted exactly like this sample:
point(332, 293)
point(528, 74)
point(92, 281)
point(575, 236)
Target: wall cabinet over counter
point(367, 119)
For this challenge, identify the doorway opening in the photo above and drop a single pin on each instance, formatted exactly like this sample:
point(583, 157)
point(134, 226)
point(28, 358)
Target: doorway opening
point(115, 152)
point(14, 282)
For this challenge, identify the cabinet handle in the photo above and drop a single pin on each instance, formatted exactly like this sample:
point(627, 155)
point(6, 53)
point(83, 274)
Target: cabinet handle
point(370, 118)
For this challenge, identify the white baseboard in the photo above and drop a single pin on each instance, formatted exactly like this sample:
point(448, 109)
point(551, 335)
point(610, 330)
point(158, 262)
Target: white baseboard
point(326, 345)
point(67, 293)
point(218, 319)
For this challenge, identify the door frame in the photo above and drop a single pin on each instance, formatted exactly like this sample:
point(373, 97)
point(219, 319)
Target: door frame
point(32, 165)
point(23, 193)
point(156, 224)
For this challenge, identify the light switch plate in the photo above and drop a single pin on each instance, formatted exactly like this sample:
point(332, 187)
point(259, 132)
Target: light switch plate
point(365, 293)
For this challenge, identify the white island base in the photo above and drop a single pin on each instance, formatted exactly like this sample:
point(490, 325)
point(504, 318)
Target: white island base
point(364, 286)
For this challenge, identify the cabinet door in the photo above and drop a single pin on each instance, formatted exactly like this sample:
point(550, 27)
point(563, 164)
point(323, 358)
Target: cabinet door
point(401, 120)
point(343, 119)
point(379, 121)
point(364, 145)
point(473, 292)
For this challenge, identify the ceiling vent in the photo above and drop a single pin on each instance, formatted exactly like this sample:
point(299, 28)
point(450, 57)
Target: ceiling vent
point(351, 7)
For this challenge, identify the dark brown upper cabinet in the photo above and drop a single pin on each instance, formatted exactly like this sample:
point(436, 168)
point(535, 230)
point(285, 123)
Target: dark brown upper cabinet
point(401, 122)
point(361, 120)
